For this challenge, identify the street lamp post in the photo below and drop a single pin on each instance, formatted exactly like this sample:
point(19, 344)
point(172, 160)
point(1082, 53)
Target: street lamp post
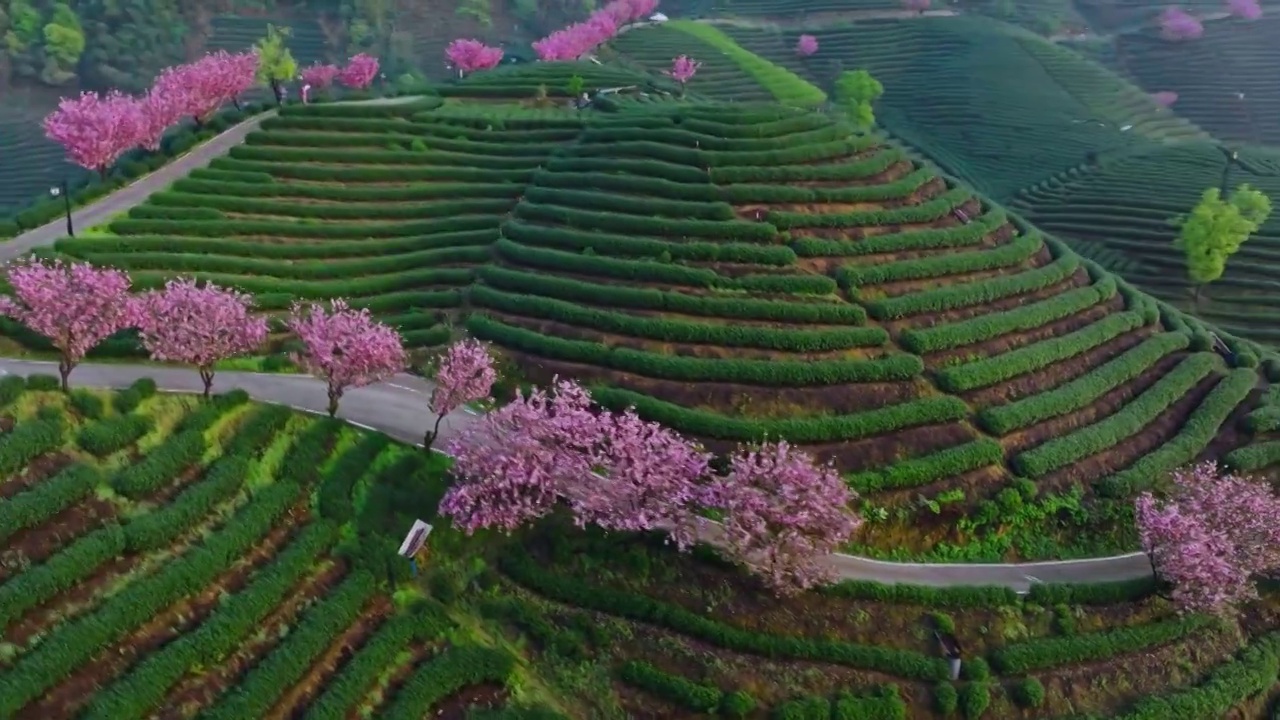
point(61, 189)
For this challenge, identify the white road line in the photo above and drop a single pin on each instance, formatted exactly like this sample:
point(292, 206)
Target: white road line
point(402, 387)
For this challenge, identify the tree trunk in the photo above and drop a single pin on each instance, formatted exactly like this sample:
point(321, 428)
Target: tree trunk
point(64, 370)
point(206, 376)
point(102, 173)
point(235, 102)
point(334, 396)
point(199, 124)
point(1197, 292)
point(429, 439)
point(275, 90)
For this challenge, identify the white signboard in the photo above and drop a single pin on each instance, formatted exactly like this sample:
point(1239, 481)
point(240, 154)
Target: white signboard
point(416, 538)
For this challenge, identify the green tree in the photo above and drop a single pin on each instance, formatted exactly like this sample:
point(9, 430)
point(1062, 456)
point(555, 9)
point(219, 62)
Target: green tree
point(63, 46)
point(275, 63)
point(1215, 229)
point(855, 92)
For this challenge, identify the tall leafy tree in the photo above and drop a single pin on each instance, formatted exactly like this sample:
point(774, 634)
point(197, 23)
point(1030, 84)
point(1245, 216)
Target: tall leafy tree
point(856, 90)
point(1214, 231)
point(275, 63)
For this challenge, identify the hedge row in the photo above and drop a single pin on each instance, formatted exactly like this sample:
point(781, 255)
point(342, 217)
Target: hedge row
point(1048, 652)
point(712, 160)
point(680, 331)
point(883, 703)
point(651, 271)
point(337, 211)
point(156, 529)
point(61, 572)
point(681, 135)
point(262, 686)
point(108, 435)
point(739, 230)
point(762, 122)
point(652, 248)
point(1100, 593)
point(161, 465)
point(932, 266)
point(163, 246)
point(567, 643)
point(208, 413)
point(833, 172)
point(672, 172)
point(1193, 437)
point(961, 596)
point(1254, 457)
point(29, 440)
point(381, 195)
point(272, 292)
point(379, 653)
point(978, 292)
point(335, 493)
point(254, 434)
point(366, 110)
point(785, 86)
point(11, 388)
point(673, 688)
point(72, 644)
point(1263, 420)
point(1126, 422)
point(393, 158)
point(127, 400)
point(416, 143)
point(639, 608)
point(631, 205)
point(804, 430)
point(1037, 356)
point(47, 499)
point(650, 299)
point(456, 668)
point(1084, 390)
point(989, 327)
point(927, 211)
point(922, 471)
point(316, 231)
point(1252, 672)
point(734, 194)
point(766, 373)
point(368, 174)
point(958, 236)
point(138, 693)
point(425, 129)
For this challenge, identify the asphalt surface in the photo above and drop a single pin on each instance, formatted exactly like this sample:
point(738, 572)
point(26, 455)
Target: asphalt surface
point(398, 407)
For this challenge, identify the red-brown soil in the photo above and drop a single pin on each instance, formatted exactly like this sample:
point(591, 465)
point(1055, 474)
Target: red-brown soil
point(925, 320)
point(295, 701)
point(66, 699)
point(196, 691)
point(42, 467)
point(457, 706)
point(35, 544)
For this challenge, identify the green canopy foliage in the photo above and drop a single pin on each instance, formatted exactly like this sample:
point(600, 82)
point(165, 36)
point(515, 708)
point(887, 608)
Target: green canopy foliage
point(1216, 228)
point(856, 90)
point(275, 62)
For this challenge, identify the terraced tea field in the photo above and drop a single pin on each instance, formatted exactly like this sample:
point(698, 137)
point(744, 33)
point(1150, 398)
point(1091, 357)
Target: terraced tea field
point(166, 558)
point(29, 163)
point(719, 77)
point(235, 33)
point(992, 104)
point(1126, 205)
point(1223, 80)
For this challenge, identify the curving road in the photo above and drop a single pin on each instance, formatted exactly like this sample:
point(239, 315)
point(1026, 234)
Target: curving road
point(398, 407)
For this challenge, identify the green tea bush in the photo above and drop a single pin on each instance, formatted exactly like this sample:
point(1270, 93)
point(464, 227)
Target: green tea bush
point(446, 674)
point(673, 688)
point(47, 499)
point(29, 440)
point(1008, 255)
point(1029, 693)
point(111, 434)
point(961, 236)
point(922, 471)
point(1049, 652)
point(61, 572)
point(162, 465)
point(128, 400)
point(927, 211)
point(979, 292)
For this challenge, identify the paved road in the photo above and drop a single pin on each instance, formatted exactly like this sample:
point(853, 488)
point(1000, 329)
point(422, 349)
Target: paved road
point(398, 408)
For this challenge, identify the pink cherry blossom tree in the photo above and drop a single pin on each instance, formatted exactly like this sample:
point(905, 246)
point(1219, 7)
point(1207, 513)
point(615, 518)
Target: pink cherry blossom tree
point(1176, 24)
point(1244, 9)
point(320, 77)
point(95, 130)
point(359, 72)
point(200, 87)
point(159, 110)
point(468, 56)
point(783, 514)
point(683, 69)
point(651, 480)
point(344, 347)
point(514, 464)
point(629, 11)
point(464, 373)
point(1210, 535)
point(198, 325)
point(75, 306)
point(806, 45)
point(1165, 98)
point(579, 39)
point(232, 74)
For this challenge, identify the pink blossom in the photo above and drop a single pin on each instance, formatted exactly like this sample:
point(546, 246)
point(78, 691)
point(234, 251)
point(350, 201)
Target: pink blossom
point(359, 72)
point(96, 129)
point(198, 325)
point(464, 373)
point(159, 111)
point(320, 76)
point(578, 39)
point(514, 464)
point(468, 56)
point(783, 514)
point(683, 69)
point(346, 348)
point(1245, 9)
point(806, 45)
point(1177, 24)
point(75, 306)
point(1165, 98)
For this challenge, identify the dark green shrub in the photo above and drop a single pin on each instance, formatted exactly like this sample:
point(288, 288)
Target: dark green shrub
point(43, 383)
point(975, 698)
point(737, 704)
point(681, 691)
point(945, 699)
point(975, 668)
point(1028, 693)
point(87, 404)
point(128, 400)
